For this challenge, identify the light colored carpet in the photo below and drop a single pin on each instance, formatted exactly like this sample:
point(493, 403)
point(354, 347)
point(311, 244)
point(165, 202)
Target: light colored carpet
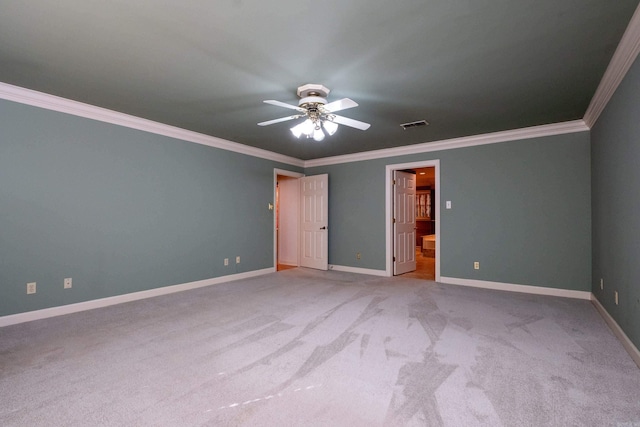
point(311, 348)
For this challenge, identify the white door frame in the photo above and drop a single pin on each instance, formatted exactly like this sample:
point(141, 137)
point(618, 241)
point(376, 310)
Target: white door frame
point(292, 174)
point(389, 209)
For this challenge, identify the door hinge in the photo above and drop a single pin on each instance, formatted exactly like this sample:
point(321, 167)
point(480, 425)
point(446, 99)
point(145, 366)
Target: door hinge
point(394, 182)
point(394, 220)
point(394, 259)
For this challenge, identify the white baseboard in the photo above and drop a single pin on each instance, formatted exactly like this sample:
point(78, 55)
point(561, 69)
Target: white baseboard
point(536, 290)
point(617, 331)
point(358, 270)
point(29, 316)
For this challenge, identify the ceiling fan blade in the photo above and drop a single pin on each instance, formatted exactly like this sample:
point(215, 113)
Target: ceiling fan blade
point(283, 119)
point(341, 104)
point(282, 104)
point(350, 122)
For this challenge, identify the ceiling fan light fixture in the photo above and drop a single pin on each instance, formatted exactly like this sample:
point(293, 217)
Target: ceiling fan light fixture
point(318, 135)
point(330, 127)
point(297, 130)
point(305, 128)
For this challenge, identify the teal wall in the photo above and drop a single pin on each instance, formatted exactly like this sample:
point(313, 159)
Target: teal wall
point(521, 208)
point(616, 204)
point(120, 210)
point(356, 213)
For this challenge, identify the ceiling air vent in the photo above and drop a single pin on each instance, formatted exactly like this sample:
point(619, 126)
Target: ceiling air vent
point(410, 125)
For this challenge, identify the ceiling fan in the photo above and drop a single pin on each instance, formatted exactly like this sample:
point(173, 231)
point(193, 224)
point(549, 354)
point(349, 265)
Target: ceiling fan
point(319, 115)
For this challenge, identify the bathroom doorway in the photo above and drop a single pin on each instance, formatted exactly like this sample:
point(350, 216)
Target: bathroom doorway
point(427, 212)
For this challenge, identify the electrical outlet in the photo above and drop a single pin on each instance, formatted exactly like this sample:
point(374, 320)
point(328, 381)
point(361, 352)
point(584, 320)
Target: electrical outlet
point(67, 283)
point(237, 260)
point(476, 265)
point(616, 296)
point(601, 284)
point(358, 256)
point(226, 262)
point(31, 288)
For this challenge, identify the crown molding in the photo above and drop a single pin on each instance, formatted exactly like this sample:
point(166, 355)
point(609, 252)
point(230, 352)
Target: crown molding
point(450, 144)
point(56, 103)
point(622, 59)
point(63, 105)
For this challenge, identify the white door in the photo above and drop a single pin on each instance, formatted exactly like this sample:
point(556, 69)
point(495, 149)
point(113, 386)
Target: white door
point(314, 221)
point(404, 222)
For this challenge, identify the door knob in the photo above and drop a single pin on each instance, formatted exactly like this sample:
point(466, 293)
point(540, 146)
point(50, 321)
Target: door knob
point(323, 228)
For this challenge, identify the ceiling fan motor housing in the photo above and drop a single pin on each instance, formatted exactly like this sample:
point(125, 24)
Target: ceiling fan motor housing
point(312, 94)
point(311, 102)
point(313, 89)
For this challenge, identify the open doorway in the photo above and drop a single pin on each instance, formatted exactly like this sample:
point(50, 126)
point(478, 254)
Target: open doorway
point(427, 218)
point(300, 220)
point(286, 234)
